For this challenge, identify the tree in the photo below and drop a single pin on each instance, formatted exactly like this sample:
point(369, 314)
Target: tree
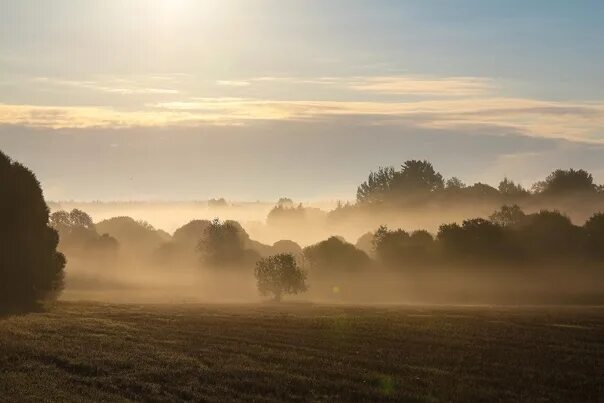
point(79, 236)
point(508, 216)
point(136, 237)
point(510, 189)
point(278, 275)
point(397, 248)
point(415, 178)
point(454, 184)
point(418, 177)
point(217, 203)
point(335, 255)
point(594, 231)
point(562, 182)
point(482, 191)
point(377, 187)
point(224, 245)
point(31, 269)
point(285, 202)
point(474, 238)
point(550, 234)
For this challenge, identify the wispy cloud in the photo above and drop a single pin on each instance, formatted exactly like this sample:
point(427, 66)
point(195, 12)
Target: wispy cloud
point(396, 84)
point(573, 121)
point(112, 86)
point(418, 85)
point(229, 83)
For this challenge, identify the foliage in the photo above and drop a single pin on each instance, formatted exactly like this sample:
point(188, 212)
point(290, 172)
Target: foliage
point(335, 255)
point(223, 244)
point(31, 269)
point(280, 274)
point(415, 178)
point(508, 216)
point(567, 181)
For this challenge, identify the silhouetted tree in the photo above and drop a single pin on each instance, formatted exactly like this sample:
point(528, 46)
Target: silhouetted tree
point(550, 234)
point(378, 186)
point(223, 245)
point(335, 255)
point(481, 192)
point(509, 189)
point(562, 182)
point(366, 243)
point(285, 202)
point(475, 238)
point(217, 203)
point(135, 237)
point(287, 246)
point(280, 274)
point(399, 249)
point(31, 269)
point(508, 216)
point(594, 232)
point(415, 178)
point(454, 184)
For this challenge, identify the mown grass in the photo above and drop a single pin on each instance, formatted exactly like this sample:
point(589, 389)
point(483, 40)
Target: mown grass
point(100, 352)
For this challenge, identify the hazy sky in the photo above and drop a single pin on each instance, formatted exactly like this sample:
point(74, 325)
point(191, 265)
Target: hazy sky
point(177, 99)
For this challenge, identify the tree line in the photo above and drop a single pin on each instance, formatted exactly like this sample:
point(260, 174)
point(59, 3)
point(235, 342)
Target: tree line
point(32, 268)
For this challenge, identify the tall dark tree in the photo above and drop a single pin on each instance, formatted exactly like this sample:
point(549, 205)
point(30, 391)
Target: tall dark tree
point(31, 269)
point(569, 181)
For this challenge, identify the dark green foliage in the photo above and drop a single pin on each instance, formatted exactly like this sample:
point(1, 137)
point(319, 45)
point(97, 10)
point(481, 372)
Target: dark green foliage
point(31, 269)
point(335, 255)
point(279, 274)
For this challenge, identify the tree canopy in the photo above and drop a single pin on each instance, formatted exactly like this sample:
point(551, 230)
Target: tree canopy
point(31, 269)
point(280, 274)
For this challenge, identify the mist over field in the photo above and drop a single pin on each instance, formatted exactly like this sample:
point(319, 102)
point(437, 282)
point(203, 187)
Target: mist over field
point(306, 201)
point(397, 243)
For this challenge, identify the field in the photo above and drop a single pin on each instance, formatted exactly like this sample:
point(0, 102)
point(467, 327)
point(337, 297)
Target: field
point(88, 351)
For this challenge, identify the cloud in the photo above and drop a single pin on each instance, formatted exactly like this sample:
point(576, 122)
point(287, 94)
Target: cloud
point(574, 121)
point(418, 85)
point(396, 84)
point(112, 86)
point(228, 83)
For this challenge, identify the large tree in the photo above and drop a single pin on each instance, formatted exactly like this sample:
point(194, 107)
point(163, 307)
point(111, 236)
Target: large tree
point(561, 182)
point(278, 275)
point(31, 269)
point(415, 178)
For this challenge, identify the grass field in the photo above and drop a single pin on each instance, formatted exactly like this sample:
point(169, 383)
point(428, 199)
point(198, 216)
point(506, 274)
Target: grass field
point(86, 351)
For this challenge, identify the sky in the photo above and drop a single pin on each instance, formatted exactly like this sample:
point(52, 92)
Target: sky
point(254, 100)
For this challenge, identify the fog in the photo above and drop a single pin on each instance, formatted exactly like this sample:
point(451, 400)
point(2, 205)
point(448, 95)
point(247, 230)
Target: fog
point(156, 257)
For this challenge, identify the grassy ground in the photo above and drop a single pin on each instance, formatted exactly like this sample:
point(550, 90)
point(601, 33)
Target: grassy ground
point(85, 351)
